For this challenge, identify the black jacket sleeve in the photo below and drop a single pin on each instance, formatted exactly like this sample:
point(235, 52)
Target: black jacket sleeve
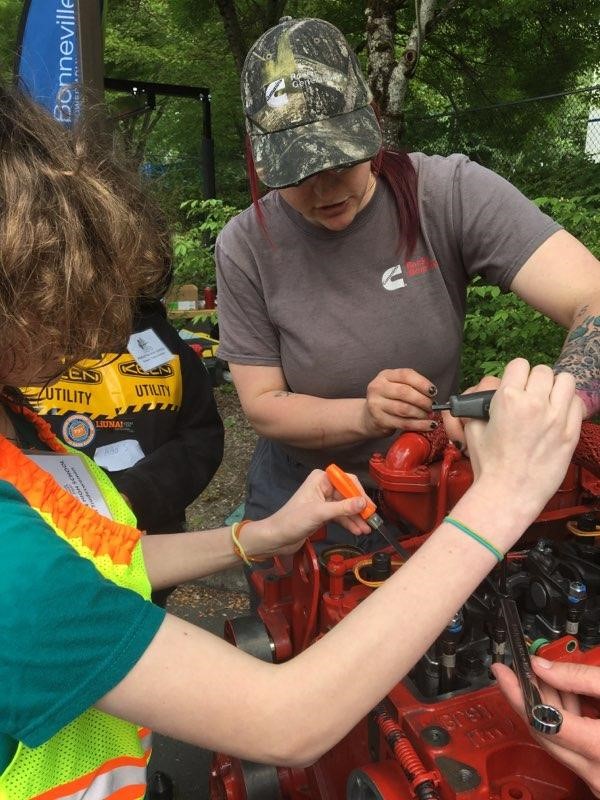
point(172, 475)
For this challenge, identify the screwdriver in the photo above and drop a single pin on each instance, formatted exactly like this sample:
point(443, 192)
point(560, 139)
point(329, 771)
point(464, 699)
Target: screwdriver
point(475, 405)
point(347, 488)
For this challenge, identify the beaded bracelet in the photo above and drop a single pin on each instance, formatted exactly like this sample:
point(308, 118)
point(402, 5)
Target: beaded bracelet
point(478, 538)
point(238, 548)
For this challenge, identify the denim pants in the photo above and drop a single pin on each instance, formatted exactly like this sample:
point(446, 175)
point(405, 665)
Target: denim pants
point(273, 477)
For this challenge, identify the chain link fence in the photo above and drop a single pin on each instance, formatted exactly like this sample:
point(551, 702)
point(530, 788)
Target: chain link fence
point(528, 141)
point(535, 143)
point(174, 180)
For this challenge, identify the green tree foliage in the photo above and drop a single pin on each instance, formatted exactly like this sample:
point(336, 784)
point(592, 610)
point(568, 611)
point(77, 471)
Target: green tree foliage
point(491, 52)
point(499, 326)
point(10, 11)
point(154, 40)
point(193, 244)
point(473, 54)
point(476, 54)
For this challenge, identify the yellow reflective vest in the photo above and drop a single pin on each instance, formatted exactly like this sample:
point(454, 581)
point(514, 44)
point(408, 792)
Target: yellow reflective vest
point(96, 756)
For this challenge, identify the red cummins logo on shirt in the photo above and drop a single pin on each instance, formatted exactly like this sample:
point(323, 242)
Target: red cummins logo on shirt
point(420, 265)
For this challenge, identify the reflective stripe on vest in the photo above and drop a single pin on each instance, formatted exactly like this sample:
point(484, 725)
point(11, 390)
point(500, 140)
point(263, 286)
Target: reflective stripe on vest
point(109, 783)
point(145, 736)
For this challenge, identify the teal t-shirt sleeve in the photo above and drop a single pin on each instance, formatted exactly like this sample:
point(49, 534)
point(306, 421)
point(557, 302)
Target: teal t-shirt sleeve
point(67, 635)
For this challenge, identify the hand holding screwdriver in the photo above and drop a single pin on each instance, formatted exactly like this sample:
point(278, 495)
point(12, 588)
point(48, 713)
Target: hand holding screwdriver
point(470, 405)
point(347, 488)
point(475, 405)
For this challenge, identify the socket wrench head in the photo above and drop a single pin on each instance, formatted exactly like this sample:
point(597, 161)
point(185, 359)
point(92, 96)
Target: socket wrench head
point(545, 719)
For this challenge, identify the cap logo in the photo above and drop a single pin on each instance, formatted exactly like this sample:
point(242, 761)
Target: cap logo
point(275, 94)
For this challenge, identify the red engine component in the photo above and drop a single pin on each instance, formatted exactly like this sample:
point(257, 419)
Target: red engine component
point(446, 734)
point(422, 476)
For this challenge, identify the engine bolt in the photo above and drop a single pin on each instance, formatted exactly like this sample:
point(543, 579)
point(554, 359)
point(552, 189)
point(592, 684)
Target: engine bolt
point(577, 592)
point(456, 623)
point(587, 522)
point(381, 566)
point(464, 775)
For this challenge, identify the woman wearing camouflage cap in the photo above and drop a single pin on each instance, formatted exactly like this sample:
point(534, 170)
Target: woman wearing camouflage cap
point(87, 664)
point(342, 290)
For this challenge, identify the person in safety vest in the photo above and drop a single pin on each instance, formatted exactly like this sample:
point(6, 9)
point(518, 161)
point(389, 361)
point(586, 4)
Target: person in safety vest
point(88, 665)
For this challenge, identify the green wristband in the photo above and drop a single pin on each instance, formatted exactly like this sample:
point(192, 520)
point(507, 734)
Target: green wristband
point(488, 545)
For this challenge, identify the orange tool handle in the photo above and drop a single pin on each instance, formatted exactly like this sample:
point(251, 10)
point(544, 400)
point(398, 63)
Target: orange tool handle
point(347, 488)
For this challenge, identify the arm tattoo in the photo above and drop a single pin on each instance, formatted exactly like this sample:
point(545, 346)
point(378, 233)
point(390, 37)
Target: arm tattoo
point(581, 357)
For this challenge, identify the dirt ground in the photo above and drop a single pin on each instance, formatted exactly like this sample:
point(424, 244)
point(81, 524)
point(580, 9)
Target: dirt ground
point(220, 498)
point(226, 490)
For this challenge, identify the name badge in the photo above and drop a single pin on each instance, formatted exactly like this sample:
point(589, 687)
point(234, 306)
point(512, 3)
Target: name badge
point(119, 455)
point(148, 350)
point(71, 472)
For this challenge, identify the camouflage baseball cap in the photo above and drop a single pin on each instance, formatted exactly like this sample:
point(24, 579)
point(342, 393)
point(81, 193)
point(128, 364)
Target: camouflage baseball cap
point(306, 103)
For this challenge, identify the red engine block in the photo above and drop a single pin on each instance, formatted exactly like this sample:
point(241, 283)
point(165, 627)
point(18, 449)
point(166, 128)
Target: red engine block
point(466, 745)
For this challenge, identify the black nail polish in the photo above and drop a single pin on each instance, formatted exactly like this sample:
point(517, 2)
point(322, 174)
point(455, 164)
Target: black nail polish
point(433, 425)
point(458, 445)
point(432, 391)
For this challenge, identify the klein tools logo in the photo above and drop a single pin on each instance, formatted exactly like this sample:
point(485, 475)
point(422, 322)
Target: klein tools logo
point(392, 278)
point(82, 375)
point(133, 370)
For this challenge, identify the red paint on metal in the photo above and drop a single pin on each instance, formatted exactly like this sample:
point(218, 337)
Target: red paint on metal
point(302, 599)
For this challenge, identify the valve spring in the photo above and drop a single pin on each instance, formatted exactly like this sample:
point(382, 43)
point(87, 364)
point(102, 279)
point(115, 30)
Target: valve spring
point(405, 753)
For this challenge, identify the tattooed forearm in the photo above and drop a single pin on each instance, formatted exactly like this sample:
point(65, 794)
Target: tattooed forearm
point(581, 357)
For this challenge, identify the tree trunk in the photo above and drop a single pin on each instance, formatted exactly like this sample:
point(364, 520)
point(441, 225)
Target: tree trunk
point(273, 11)
point(267, 14)
point(381, 48)
point(233, 32)
point(388, 76)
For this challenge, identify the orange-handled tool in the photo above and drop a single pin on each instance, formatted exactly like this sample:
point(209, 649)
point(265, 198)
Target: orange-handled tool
point(347, 488)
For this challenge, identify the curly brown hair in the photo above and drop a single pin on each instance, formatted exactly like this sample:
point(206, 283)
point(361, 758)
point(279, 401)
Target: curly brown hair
point(80, 241)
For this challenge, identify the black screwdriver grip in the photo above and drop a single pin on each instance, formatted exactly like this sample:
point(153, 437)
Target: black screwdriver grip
point(475, 405)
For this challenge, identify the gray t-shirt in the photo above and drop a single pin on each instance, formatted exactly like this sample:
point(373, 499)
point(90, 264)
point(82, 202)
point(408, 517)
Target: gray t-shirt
point(333, 309)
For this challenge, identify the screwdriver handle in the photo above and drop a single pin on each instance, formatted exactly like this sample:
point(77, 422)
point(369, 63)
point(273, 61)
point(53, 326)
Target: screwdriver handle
point(347, 488)
point(475, 405)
